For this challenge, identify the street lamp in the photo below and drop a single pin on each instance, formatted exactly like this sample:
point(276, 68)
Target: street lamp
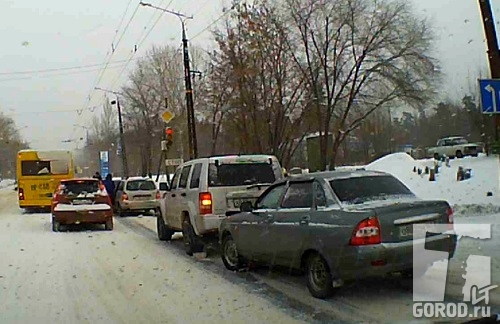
point(191, 122)
point(120, 124)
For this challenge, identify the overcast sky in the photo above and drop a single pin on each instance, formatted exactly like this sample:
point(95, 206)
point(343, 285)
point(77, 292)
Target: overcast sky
point(57, 34)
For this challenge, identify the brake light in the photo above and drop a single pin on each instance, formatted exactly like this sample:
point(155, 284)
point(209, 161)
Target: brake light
point(158, 196)
point(205, 203)
point(367, 232)
point(449, 212)
point(124, 197)
point(21, 194)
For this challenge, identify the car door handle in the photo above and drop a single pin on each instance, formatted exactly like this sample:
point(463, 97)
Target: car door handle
point(173, 195)
point(183, 194)
point(305, 220)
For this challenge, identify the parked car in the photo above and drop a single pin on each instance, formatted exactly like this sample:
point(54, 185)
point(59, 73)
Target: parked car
point(200, 194)
point(452, 147)
point(336, 226)
point(137, 195)
point(81, 201)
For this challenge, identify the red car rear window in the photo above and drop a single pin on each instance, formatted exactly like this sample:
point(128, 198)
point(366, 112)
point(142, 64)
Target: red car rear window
point(78, 187)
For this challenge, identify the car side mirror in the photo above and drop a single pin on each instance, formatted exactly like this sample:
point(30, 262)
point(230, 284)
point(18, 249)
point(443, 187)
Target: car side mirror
point(246, 206)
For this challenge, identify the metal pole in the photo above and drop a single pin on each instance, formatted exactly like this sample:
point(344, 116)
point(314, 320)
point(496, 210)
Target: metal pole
point(493, 51)
point(122, 140)
point(193, 147)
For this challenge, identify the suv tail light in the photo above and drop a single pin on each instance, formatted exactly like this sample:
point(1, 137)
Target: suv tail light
point(449, 212)
point(158, 196)
point(367, 232)
point(205, 203)
point(21, 194)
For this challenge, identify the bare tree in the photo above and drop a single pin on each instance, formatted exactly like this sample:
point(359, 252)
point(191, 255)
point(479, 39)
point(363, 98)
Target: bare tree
point(265, 96)
point(358, 56)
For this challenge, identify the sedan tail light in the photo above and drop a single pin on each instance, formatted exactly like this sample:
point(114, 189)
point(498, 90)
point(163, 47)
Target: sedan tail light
point(449, 212)
point(158, 196)
point(367, 232)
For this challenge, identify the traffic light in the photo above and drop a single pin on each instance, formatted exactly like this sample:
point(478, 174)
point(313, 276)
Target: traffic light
point(169, 131)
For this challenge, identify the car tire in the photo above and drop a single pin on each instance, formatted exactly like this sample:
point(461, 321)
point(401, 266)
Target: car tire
point(319, 277)
point(108, 226)
point(119, 211)
point(229, 254)
point(459, 154)
point(164, 233)
point(191, 242)
point(436, 156)
point(408, 273)
point(56, 226)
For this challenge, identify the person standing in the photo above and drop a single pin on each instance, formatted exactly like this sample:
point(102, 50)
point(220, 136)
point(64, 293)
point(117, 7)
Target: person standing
point(110, 187)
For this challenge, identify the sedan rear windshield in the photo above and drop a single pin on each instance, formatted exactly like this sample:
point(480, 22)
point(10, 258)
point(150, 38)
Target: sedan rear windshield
point(240, 174)
point(79, 187)
point(358, 190)
point(136, 185)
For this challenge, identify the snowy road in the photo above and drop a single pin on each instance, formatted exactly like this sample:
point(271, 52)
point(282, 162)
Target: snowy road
point(128, 276)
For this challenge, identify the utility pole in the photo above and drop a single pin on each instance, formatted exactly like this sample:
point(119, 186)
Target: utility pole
point(493, 50)
point(122, 139)
point(191, 122)
point(123, 152)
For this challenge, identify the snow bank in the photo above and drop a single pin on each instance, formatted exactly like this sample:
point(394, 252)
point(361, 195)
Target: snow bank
point(6, 183)
point(467, 196)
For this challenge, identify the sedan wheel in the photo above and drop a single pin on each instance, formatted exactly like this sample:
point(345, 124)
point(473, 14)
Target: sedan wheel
point(319, 277)
point(56, 226)
point(230, 256)
point(109, 224)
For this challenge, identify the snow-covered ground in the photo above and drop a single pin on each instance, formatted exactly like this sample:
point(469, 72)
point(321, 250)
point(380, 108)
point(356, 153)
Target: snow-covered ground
point(5, 183)
point(121, 276)
point(128, 276)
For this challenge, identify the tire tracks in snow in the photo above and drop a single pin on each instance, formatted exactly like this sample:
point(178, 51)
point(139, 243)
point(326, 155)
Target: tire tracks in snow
point(290, 294)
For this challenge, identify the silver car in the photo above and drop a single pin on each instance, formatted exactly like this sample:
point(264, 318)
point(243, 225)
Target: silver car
point(137, 195)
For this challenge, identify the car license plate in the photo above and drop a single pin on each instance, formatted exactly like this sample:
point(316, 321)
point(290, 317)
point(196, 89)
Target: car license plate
point(142, 198)
point(407, 230)
point(82, 202)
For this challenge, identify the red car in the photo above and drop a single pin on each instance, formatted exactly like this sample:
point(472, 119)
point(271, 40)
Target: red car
point(79, 201)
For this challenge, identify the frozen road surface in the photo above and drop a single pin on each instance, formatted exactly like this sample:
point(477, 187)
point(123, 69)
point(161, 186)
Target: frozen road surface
point(121, 276)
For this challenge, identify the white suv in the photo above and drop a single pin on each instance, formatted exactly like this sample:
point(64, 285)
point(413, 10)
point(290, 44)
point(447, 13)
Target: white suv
point(197, 199)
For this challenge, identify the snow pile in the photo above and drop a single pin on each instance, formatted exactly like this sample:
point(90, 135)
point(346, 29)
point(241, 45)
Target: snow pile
point(6, 183)
point(468, 195)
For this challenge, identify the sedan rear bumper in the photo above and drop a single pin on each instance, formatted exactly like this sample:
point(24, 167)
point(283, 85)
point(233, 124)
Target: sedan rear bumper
point(139, 204)
point(82, 217)
point(381, 259)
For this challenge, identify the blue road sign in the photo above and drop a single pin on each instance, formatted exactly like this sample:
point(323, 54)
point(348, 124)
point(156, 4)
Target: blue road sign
point(490, 96)
point(104, 163)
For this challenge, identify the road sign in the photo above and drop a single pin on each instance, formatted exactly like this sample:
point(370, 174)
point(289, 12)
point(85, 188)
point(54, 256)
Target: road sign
point(490, 96)
point(167, 116)
point(173, 162)
point(104, 163)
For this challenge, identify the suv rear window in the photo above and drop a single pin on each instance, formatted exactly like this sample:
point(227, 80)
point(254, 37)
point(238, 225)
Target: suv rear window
point(135, 185)
point(78, 187)
point(240, 174)
point(358, 190)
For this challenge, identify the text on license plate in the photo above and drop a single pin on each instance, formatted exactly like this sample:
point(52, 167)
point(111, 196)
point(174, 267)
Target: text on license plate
point(408, 230)
point(82, 202)
point(142, 198)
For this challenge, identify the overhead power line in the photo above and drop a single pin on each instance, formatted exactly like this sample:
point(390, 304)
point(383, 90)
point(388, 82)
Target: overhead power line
point(217, 20)
point(140, 42)
point(77, 67)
